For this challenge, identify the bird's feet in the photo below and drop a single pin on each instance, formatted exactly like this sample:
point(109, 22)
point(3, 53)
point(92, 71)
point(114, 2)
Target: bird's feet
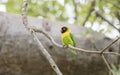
point(65, 46)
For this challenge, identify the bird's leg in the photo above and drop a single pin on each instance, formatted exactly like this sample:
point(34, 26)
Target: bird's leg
point(65, 46)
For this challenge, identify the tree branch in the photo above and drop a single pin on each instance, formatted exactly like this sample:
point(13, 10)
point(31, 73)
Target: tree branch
point(24, 11)
point(75, 10)
point(79, 49)
point(102, 17)
point(71, 47)
point(90, 11)
point(106, 62)
point(113, 3)
point(41, 47)
point(110, 45)
point(117, 14)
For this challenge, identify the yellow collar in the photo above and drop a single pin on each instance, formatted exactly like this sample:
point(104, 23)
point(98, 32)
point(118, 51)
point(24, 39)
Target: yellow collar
point(67, 33)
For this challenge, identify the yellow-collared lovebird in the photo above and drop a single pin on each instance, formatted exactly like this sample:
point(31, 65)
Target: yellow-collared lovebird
point(68, 38)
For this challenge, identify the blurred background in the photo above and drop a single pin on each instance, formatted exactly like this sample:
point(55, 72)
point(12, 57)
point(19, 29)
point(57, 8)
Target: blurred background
point(102, 16)
point(95, 23)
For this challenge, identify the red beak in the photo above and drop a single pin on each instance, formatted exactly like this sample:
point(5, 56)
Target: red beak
point(61, 31)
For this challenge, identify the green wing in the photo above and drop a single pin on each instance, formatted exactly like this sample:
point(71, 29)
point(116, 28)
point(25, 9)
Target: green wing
point(73, 39)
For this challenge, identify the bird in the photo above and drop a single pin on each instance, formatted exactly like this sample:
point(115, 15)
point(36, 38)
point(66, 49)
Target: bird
point(68, 38)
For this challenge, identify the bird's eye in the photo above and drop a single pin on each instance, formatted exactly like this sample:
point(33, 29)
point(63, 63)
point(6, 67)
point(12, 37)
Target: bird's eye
point(64, 29)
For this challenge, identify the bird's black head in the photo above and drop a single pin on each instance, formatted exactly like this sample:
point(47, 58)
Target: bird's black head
point(64, 29)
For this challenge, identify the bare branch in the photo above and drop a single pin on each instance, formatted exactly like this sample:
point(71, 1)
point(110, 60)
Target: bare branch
point(71, 47)
point(75, 9)
point(106, 62)
point(101, 16)
point(113, 3)
point(111, 53)
point(82, 50)
point(110, 45)
point(90, 11)
point(47, 55)
point(61, 46)
point(117, 14)
point(24, 11)
point(41, 47)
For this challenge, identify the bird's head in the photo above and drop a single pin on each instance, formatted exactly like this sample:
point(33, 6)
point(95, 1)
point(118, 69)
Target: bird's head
point(64, 29)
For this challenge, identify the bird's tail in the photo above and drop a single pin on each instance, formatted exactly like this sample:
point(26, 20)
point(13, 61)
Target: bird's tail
point(73, 51)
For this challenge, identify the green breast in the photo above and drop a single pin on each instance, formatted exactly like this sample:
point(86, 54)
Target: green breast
point(67, 40)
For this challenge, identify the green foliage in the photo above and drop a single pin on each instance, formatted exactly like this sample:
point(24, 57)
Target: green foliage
point(101, 30)
point(116, 71)
point(86, 33)
point(54, 10)
point(14, 6)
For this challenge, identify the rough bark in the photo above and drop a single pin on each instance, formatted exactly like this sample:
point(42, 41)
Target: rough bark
point(19, 54)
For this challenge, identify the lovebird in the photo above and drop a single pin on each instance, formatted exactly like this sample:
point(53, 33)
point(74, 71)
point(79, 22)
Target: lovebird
point(68, 38)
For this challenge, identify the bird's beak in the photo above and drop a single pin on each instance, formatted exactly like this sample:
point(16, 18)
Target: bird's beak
point(61, 31)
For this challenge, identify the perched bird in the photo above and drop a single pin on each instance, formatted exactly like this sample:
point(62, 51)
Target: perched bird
point(68, 38)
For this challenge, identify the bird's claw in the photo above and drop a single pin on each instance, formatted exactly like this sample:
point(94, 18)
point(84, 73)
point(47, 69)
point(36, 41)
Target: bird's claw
point(65, 46)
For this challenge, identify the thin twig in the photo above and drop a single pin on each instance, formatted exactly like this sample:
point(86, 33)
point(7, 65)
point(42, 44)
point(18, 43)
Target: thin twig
point(113, 3)
point(75, 10)
point(41, 47)
point(111, 53)
point(24, 11)
point(118, 58)
point(90, 11)
point(106, 62)
point(47, 55)
point(110, 45)
point(61, 46)
point(75, 48)
point(101, 16)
